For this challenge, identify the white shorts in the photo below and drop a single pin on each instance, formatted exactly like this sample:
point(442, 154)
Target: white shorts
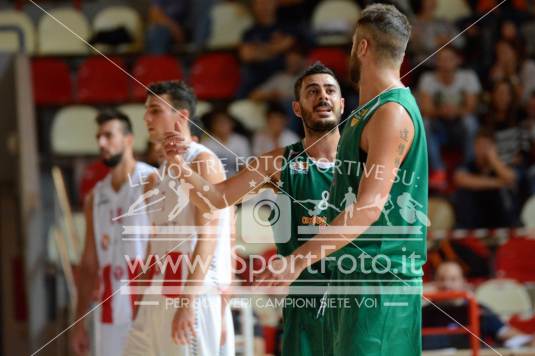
point(110, 339)
point(150, 334)
point(228, 346)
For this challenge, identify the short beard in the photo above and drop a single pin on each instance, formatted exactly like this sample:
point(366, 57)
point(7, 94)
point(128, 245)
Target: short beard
point(318, 127)
point(114, 160)
point(354, 71)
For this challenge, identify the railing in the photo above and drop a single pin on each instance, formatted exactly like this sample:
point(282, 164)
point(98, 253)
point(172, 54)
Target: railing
point(472, 329)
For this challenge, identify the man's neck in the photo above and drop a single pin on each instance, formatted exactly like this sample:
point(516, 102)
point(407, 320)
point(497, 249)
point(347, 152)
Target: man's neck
point(322, 145)
point(121, 172)
point(446, 77)
point(375, 81)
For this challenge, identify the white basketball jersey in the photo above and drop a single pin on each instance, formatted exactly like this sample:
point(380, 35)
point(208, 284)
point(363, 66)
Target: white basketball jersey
point(114, 248)
point(173, 220)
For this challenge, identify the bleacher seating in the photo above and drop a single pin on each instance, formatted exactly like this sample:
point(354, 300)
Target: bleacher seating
point(113, 17)
point(73, 131)
point(215, 76)
point(63, 32)
point(333, 21)
point(51, 81)
point(9, 39)
point(149, 69)
point(136, 113)
point(100, 81)
point(229, 21)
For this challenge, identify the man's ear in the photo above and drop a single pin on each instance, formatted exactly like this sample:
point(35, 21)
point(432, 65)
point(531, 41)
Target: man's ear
point(363, 47)
point(342, 105)
point(296, 109)
point(130, 140)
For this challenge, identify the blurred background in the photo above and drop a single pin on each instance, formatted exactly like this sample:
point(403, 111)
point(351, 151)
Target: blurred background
point(477, 96)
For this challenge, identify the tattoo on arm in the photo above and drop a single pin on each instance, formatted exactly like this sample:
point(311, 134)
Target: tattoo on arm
point(401, 149)
point(404, 134)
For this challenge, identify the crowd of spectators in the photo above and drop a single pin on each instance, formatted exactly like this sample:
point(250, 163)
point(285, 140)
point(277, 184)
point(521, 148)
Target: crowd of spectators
point(475, 83)
point(474, 79)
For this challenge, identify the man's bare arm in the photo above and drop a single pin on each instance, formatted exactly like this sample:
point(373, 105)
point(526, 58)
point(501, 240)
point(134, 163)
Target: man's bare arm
point(231, 191)
point(387, 138)
point(89, 262)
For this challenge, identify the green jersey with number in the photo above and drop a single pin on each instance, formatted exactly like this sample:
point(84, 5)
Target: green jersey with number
point(396, 242)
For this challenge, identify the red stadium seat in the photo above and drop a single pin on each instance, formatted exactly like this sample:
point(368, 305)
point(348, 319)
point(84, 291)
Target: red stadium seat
point(334, 58)
point(100, 81)
point(515, 260)
point(92, 174)
point(149, 69)
point(51, 82)
point(215, 76)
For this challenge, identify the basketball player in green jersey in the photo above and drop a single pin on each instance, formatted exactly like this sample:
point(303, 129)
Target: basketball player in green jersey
point(383, 157)
point(303, 171)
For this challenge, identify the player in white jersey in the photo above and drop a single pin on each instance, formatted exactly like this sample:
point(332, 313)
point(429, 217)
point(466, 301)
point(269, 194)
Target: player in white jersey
point(183, 313)
point(108, 255)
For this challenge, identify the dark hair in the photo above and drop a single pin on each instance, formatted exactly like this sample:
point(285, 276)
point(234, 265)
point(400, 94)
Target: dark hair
point(209, 118)
point(275, 108)
point(390, 30)
point(316, 68)
point(182, 95)
point(114, 114)
point(485, 132)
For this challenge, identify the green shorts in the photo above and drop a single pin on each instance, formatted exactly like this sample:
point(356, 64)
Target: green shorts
point(380, 320)
point(304, 327)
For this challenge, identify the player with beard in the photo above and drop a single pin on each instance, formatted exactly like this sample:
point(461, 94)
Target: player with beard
point(387, 239)
point(303, 171)
point(105, 254)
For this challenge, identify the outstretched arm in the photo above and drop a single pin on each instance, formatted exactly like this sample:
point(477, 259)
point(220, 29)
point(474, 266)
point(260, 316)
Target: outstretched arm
point(387, 139)
point(227, 192)
point(86, 281)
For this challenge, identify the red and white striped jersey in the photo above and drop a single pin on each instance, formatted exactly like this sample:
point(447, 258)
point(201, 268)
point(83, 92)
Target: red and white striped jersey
point(112, 212)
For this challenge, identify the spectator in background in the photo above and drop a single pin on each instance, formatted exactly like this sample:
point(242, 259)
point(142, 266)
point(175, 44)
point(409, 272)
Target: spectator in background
point(529, 126)
point(296, 12)
point(484, 198)
point(509, 65)
point(448, 99)
point(428, 32)
point(177, 22)
point(275, 134)
point(263, 46)
point(224, 141)
point(502, 118)
point(280, 87)
point(449, 277)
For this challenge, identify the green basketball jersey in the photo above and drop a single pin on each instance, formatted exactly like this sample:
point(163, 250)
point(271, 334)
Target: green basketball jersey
point(307, 183)
point(400, 231)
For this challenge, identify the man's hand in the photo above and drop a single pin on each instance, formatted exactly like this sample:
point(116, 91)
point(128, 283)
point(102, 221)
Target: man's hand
point(281, 272)
point(175, 145)
point(80, 340)
point(183, 326)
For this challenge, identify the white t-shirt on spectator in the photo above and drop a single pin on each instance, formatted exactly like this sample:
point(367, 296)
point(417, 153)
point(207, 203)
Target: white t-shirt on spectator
point(465, 82)
point(237, 145)
point(263, 143)
point(283, 83)
point(527, 78)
